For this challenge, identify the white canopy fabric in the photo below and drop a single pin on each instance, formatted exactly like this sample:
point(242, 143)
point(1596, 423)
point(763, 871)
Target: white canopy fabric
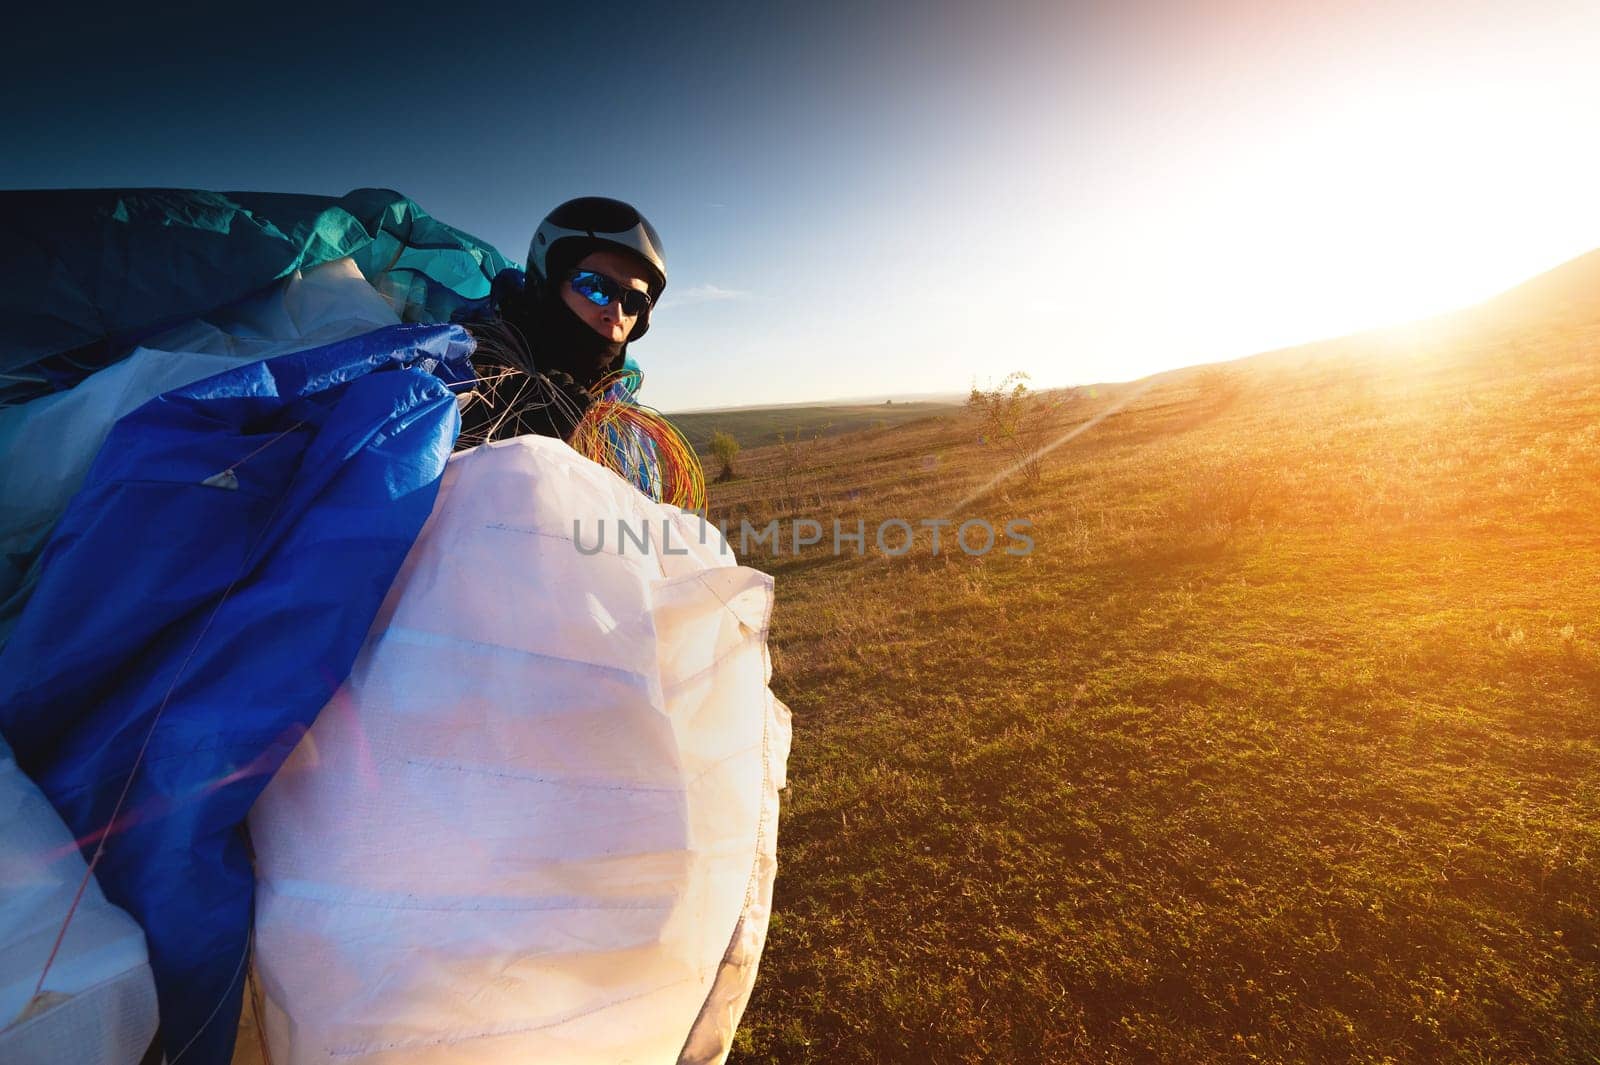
point(98, 1006)
point(538, 821)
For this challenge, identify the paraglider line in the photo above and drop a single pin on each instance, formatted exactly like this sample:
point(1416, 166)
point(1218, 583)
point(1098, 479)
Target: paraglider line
point(235, 465)
point(198, 1032)
point(133, 771)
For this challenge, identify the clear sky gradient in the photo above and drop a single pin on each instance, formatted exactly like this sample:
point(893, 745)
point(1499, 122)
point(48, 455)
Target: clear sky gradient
point(892, 198)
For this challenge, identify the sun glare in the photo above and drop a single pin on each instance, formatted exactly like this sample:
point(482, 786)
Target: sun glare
point(1397, 203)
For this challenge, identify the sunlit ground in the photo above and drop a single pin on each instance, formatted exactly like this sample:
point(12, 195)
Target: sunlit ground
point(1281, 746)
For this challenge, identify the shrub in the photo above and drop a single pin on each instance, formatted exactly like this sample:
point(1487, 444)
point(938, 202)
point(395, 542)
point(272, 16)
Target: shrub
point(797, 468)
point(726, 449)
point(1013, 417)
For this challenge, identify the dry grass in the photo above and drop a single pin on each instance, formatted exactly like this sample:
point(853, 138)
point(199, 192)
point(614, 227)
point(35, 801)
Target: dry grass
point(1281, 745)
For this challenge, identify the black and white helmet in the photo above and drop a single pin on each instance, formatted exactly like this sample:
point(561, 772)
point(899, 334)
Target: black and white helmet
point(581, 226)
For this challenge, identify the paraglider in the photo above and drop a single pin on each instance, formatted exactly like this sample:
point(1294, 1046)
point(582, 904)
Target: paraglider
point(242, 559)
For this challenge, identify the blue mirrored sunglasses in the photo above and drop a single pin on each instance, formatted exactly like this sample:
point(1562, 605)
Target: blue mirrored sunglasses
point(601, 291)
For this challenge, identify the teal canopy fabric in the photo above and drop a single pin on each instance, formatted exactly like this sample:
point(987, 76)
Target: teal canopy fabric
point(84, 273)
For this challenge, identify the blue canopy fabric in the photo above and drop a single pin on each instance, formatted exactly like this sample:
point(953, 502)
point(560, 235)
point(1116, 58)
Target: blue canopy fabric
point(230, 546)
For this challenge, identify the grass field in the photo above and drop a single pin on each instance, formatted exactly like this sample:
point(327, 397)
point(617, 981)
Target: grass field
point(1282, 745)
point(760, 426)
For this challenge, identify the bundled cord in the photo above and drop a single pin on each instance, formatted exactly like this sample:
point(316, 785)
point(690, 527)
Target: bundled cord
point(512, 397)
point(640, 444)
point(604, 423)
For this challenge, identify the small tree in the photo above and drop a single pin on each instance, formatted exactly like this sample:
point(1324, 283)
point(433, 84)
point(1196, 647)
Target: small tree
point(726, 449)
point(1012, 417)
point(797, 467)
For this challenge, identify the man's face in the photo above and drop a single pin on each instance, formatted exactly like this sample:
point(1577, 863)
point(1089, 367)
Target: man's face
point(609, 321)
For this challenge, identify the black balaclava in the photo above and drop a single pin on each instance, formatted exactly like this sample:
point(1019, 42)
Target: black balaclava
point(544, 336)
point(557, 338)
point(566, 342)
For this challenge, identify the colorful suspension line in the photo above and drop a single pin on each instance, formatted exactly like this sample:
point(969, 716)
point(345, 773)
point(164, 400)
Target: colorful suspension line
point(640, 444)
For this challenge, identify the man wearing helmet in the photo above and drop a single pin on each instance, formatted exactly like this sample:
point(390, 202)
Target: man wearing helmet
point(594, 272)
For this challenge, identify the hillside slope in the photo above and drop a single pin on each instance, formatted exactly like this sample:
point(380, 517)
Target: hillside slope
point(1283, 744)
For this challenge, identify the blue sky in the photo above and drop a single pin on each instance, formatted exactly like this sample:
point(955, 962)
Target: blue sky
point(893, 198)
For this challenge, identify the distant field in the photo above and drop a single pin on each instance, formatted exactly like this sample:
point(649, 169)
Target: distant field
point(759, 426)
point(1282, 745)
